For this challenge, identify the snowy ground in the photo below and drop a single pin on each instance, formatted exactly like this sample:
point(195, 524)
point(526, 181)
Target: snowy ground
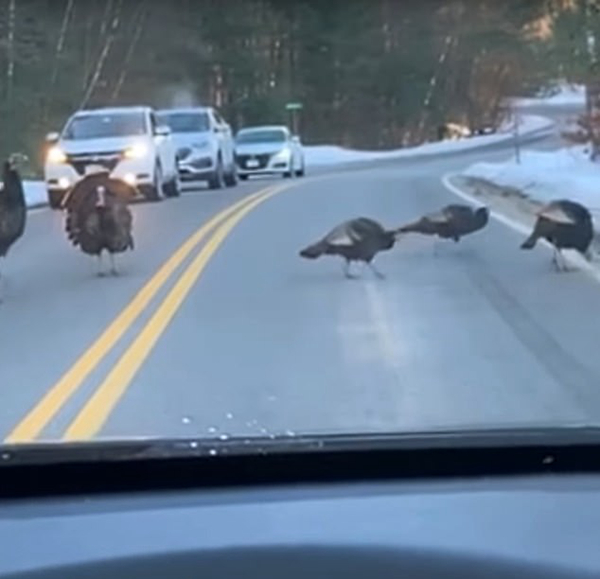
point(566, 95)
point(35, 193)
point(328, 155)
point(547, 175)
point(324, 155)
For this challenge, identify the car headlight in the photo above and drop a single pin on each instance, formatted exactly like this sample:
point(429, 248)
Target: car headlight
point(137, 151)
point(56, 156)
point(282, 156)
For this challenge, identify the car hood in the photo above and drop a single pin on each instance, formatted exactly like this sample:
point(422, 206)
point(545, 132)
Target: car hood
point(259, 148)
point(191, 139)
point(81, 146)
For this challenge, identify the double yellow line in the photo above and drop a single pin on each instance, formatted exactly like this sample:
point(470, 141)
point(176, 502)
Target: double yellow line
point(95, 412)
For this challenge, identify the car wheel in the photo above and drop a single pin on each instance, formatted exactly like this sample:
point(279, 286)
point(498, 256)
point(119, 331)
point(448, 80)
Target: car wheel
point(55, 198)
point(302, 171)
point(154, 192)
point(172, 188)
point(288, 174)
point(231, 178)
point(216, 180)
point(243, 177)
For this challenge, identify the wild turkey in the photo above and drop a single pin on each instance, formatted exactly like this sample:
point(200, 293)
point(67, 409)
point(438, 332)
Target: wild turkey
point(98, 218)
point(355, 240)
point(13, 209)
point(566, 225)
point(452, 222)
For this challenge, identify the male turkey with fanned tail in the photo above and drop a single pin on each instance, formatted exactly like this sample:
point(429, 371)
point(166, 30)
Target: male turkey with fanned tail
point(13, 209)
point(566, 225)
point(98, 217)
point(452, 222)
point(359, 239)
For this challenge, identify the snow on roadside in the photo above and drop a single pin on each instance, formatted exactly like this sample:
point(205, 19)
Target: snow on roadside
point(566, 95)
point(324, 155)
point(547, 175)
point(35, 193)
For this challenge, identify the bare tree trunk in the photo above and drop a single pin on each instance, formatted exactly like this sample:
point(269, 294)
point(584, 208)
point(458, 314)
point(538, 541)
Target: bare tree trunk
point(105, 19)
point(110, 37)
point(449, 42)
point(592, 90)
point(10, 68)
point(57, 54)
point(141, 21)
point(61, 41)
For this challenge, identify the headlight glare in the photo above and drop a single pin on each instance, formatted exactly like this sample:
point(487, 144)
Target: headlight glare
point(137, 151)
point(56, 156)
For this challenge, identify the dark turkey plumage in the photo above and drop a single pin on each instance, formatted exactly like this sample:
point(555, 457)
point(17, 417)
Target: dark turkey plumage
point(359, 239)
point(13, 210)
point(452, 222)
point(566, 225)
point(98, 218)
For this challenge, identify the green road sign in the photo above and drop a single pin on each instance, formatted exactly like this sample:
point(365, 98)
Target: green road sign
point(293, 106)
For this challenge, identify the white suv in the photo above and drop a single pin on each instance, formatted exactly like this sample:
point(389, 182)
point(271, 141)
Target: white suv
point(128, 141)
point(205, 147)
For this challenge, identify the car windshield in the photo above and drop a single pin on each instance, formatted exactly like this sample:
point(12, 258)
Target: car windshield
point(423, 257)
point(100, 126)
point(261, 136)
point(185, 122)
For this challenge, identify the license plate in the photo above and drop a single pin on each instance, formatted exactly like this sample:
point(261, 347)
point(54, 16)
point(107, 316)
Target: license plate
point(91, 169)
point(251, 163)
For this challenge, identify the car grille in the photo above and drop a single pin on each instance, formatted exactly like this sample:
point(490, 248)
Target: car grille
point(108, 160)
point(183, 153)
point(198, 164)
point(242, 160)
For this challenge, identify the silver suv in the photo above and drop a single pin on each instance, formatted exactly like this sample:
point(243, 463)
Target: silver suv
point(204, 142)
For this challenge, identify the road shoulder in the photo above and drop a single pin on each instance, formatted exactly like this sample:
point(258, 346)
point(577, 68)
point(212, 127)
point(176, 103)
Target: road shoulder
point(514, 209)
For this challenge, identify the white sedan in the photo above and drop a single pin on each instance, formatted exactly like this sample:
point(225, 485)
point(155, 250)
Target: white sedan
point(268, 150)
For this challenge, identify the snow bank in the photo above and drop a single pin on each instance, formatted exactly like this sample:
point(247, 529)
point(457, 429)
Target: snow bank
point(566, 95)
point(323, 155)
point(35, 193)
point(548, 175)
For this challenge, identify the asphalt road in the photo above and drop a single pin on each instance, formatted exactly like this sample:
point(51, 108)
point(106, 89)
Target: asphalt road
point(245, 338)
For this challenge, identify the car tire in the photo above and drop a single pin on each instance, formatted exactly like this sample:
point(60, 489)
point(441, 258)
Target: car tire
point(243, 177)
point(288, 174)
point(155, 191)
point(55, 198)
point(301, 172)
point(172, 188)
point(217, 179)
point(231, 178)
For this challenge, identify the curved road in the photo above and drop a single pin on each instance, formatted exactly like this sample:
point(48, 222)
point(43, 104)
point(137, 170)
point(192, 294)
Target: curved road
point(237, 335)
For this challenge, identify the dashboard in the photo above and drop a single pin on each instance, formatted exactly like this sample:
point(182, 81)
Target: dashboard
point(545, 526)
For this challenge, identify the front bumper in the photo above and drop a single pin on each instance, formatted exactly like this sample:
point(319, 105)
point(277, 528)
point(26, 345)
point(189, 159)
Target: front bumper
point(62, 176)
point(262, 165)
point(196, 168)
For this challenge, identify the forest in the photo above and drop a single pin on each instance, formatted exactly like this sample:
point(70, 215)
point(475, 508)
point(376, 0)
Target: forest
point(369, 73)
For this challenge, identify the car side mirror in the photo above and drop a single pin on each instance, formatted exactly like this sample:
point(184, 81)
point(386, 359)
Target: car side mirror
point(216, 129)
point(296, 139)
point(52, 138)
point(162, 131)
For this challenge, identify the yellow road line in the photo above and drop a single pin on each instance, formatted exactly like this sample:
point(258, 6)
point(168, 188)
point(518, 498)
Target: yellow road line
point(98, 408)
point(45, 410)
